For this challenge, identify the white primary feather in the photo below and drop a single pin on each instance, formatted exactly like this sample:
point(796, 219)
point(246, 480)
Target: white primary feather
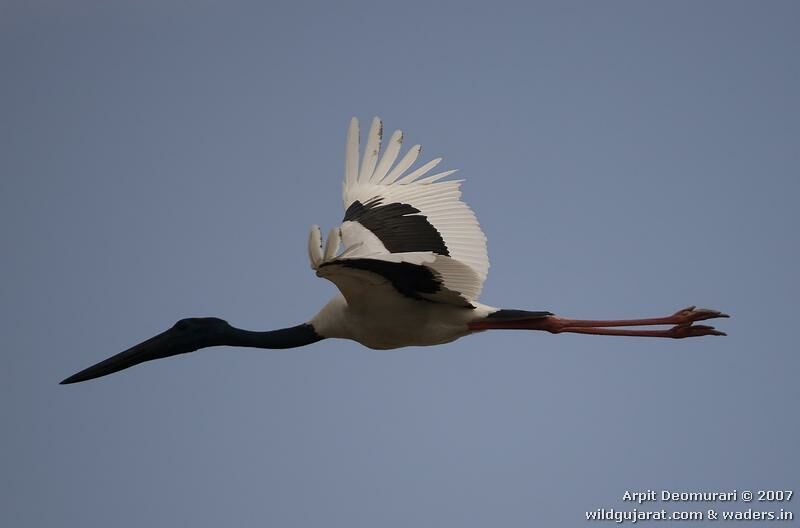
point(436, 177)
point(389, 157)
point(351, 155)
point(315, 247)
point(371, 151)
point(410, 177)
point(407, 161)
point(332, 245)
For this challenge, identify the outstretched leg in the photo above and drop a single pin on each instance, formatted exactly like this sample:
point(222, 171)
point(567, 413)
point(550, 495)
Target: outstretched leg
point(682, 323)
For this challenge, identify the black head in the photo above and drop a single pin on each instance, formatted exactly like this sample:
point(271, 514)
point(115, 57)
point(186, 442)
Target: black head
point(192, 324)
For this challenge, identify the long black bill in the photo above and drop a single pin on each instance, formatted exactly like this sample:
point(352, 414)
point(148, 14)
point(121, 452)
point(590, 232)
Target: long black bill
point(187, 335)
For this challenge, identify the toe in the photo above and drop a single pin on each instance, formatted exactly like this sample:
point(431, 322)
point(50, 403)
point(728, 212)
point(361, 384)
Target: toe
point(683, 331)
point(693, 314)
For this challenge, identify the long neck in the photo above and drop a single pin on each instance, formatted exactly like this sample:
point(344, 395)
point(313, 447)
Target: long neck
point(295, 336)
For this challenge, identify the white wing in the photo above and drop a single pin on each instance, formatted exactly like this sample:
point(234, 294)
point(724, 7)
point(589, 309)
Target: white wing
point(401, 219)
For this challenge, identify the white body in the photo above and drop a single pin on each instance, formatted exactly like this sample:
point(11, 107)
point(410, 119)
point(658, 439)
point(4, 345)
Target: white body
point(396, 321)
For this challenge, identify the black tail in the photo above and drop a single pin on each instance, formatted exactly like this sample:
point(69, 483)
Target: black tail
point(514, 315)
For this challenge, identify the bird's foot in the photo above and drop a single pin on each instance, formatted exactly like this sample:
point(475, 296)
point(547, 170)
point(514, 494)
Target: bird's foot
point(686, 318)
point(692, 314)
point(689, 330)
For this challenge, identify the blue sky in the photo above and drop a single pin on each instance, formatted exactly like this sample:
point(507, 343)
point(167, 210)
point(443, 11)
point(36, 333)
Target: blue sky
point(164, 160)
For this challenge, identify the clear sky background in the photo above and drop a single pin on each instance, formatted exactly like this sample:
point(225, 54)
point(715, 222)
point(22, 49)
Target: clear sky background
point(165, 159)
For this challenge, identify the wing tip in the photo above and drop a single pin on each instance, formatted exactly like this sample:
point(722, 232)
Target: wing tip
point(315, 255)
point(372, 149)
point(332, 244)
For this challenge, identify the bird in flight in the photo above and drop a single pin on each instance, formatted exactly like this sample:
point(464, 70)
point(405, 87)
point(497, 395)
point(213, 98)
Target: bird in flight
point(409, 260)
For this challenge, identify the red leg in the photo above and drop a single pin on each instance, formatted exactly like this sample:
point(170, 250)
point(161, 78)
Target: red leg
point(682, 322)
point(687, 316)
point(676, 332)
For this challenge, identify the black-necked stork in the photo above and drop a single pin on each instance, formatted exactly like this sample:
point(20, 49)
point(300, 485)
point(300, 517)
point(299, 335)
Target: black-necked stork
point(411, 267)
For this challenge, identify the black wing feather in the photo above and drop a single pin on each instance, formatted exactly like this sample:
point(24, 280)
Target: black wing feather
point(400, 227)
